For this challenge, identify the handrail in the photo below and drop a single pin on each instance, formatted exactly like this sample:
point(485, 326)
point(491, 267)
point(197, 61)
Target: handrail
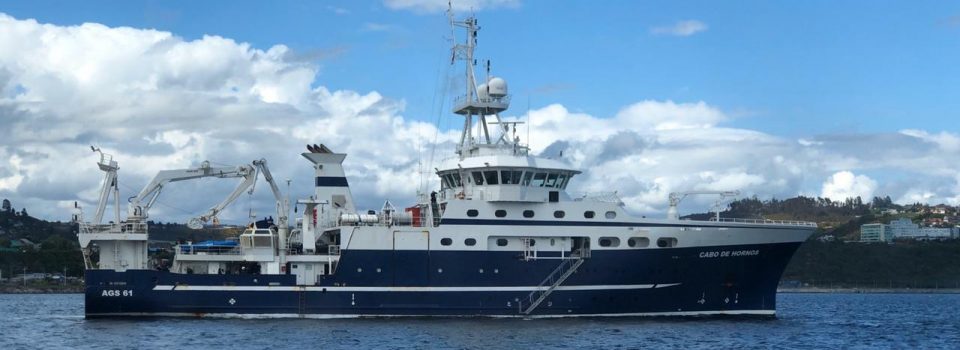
point(767, 221)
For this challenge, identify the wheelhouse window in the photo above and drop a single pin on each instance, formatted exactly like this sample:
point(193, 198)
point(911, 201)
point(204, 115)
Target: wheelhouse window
point(538, 179)
point(453, 180)
point(491, 177)
point(527, 176)
point(510, 177)
point(561, 181)
point(477, 178)
point(551, 180)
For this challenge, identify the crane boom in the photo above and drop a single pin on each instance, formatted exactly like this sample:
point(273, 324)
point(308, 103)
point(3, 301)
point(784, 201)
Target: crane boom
point(676, 197)
point(249, 179)
point(141, 203)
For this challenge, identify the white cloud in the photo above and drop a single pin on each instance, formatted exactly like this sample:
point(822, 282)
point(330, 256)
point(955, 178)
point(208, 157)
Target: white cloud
point(681, 28)
point(432, 6)
point(844, 184)
point(157, 101)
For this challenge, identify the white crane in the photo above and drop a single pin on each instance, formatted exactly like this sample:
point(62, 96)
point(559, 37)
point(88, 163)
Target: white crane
point(141, 203)
point(109, 167)
point(283, 207)
point(676, 197)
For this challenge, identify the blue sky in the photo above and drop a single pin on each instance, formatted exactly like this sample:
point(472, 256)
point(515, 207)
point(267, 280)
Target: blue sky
point(788, 68)
point(778, 99)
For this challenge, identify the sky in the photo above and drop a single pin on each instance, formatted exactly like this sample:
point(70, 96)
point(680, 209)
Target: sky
point(776, 99)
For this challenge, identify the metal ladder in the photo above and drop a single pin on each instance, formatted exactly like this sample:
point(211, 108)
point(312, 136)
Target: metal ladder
point(555, 279)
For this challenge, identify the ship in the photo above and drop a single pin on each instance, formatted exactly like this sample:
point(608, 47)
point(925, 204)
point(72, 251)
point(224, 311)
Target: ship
point(500, 237)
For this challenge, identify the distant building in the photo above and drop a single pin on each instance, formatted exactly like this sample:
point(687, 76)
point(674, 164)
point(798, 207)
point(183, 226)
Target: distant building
point(826, 238)
point(891, 211)
point(940, 209)
point(904, 229)
point(932, 222)
point(875, 233)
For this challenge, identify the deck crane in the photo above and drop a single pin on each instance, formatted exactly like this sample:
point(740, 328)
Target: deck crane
point(283, 206)
point(676, 197)
point(141, 203)
point(249, 179)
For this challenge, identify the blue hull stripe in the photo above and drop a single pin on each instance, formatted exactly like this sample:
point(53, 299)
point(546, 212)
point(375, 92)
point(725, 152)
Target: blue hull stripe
point(331, 181)
point(504, 222)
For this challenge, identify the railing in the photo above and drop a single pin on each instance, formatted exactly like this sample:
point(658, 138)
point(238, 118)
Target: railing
point(193, 250)
point(766, 221)
point(122, 228)
point(603, 197)
point(462, 99)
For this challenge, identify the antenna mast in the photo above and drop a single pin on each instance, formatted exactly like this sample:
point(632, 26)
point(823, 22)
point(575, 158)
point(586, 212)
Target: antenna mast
point(489, 99)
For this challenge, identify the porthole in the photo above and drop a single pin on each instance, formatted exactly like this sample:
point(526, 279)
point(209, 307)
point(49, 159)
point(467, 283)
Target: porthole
point(638, 242)
point(609, 242)
point(528, 213)
point(481, 270)
point(611, 214)
point(470, 242)
point(589, 214)
point(666, 242)
point(533, 242)
point(446, 241)
point(559, 214)
point(439, 270)
point(359, 269)
point(553, 242)
point(500, 213)
point(502, 242)
point(472, 213)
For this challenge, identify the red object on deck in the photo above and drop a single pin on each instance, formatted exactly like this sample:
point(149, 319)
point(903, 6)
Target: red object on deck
point(416, 219)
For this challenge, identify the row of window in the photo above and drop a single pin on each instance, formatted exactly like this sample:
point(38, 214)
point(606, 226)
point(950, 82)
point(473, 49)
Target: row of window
point(559, 214)
point(607, 242)
point(509, 177)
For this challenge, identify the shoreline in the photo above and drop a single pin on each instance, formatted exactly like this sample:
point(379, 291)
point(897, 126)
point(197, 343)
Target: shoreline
point(841, 290)
point(7, 289)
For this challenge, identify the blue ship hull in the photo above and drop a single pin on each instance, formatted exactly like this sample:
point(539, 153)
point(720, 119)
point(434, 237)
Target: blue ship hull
point(725, 280)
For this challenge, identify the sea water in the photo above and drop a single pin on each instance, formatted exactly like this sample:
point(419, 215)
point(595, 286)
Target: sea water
point(804, 321)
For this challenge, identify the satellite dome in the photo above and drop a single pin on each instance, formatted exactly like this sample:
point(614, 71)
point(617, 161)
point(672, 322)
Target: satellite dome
point(498, 87)
point(482, 91)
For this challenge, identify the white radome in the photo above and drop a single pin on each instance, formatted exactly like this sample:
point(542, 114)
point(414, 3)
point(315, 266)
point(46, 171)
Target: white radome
point(498, 87)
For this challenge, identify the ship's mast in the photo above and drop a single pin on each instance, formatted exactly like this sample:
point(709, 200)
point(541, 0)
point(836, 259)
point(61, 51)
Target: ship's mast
point(491, 99)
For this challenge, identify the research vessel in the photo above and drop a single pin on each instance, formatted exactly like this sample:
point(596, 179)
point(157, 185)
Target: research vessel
point(501, 237)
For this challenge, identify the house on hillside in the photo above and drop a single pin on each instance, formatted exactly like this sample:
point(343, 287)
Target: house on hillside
point(22, 244)
point(942, 209)
point(932, 222)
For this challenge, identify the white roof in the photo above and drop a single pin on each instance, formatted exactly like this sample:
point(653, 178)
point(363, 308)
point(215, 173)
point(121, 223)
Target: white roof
point(500, 160)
